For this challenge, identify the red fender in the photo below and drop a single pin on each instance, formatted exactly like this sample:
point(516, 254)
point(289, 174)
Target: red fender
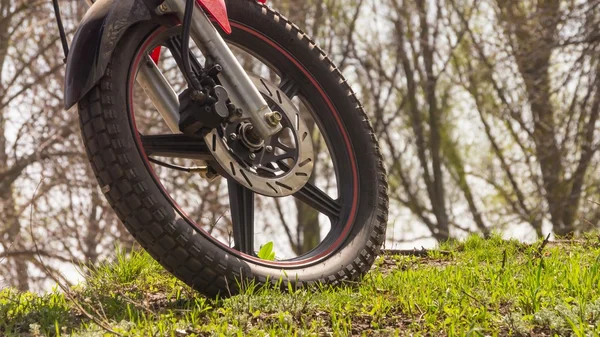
point(215, 8)
point(155, 55)
point(218, 10)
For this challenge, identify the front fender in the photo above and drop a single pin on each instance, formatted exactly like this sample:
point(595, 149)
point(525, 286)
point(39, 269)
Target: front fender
point(95, 40)
point(218, 10)
point(99, 32)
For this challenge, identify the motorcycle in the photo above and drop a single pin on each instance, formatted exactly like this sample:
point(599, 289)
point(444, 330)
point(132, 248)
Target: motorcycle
point(293, 128)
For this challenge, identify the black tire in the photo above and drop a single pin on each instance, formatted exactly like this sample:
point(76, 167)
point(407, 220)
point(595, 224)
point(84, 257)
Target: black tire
point(191, 255)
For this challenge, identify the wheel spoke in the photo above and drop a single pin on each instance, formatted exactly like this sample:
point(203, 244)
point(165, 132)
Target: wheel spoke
point(241, 201)
point(284, 147)
point(289, 87)
point(319, 200)
point(176, 146)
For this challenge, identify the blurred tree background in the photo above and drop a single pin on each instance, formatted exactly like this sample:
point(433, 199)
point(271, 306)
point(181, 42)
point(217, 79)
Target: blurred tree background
point(487, 112)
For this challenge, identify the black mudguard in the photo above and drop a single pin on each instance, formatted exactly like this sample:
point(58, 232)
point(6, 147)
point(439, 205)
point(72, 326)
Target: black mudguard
point(95, 40)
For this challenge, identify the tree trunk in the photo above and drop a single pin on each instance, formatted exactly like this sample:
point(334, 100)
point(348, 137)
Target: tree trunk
point(11, 233)
point(535, 38)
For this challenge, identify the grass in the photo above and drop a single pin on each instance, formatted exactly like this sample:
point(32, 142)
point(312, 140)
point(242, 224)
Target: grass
point(474, 287)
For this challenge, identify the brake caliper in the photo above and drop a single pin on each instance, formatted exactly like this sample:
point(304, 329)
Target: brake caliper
point(204, 109)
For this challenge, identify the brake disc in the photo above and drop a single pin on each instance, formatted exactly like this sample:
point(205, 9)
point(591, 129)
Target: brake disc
point(276, 167)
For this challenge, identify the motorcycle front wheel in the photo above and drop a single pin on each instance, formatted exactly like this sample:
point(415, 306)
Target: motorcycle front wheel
point(209, 233)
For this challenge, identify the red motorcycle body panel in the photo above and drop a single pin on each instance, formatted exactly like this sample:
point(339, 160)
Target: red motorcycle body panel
point(155, 55)
point(218, 10)
point(215, 8)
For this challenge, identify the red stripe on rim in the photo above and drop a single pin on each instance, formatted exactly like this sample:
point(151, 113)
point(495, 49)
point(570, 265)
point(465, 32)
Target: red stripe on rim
point(347, 227)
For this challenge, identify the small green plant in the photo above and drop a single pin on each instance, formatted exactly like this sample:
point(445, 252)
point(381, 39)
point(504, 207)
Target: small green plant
point(266, 252)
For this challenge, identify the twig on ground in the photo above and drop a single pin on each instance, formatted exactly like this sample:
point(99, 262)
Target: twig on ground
point(104, 325)
point(412, 252)
point(503, 262)
point(588, 222)
point(543, 245)
point(471, 296)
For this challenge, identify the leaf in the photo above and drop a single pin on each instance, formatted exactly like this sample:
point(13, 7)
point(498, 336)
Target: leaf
point(266, 252)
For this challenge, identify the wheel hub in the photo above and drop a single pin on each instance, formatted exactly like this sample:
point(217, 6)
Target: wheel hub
point(278, 166)
point(249, 138)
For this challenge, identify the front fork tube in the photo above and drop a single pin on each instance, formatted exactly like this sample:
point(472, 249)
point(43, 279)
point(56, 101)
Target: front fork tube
point(160, 92)
point(166, 101)
point(240, 87)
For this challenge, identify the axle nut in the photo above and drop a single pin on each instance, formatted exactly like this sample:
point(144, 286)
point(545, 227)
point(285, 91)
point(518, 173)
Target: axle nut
point(273, 118)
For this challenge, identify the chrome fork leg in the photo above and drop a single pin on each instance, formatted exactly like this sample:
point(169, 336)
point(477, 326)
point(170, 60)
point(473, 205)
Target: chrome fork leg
point(239, 86)
point(162, 95)
point(166, 101)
